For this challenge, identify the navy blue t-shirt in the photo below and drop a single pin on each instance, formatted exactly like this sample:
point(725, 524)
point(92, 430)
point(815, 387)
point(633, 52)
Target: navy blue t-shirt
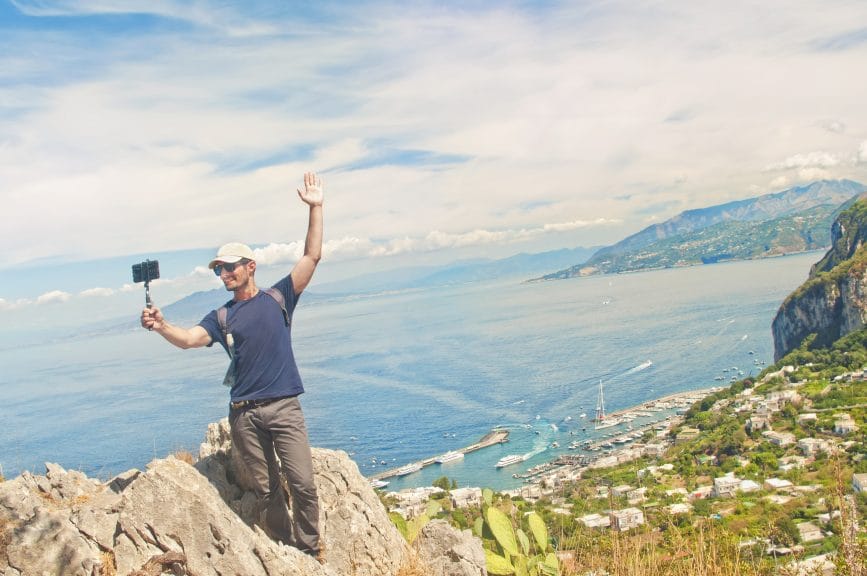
point(264, 363)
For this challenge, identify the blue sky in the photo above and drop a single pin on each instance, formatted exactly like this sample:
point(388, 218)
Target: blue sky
point(442, 130)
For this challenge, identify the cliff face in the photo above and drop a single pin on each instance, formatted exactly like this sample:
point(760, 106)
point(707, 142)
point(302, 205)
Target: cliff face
point(833, 300)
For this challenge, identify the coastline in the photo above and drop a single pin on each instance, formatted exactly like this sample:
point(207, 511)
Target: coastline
point(571, 463)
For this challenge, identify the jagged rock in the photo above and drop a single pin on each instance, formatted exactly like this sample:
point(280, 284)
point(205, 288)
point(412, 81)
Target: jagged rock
point(357, 535)
point(447, 551)
point(174, 518)
point(170, 509)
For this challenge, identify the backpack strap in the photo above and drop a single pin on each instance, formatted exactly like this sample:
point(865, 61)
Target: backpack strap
point(278, 296)
point(223, 313)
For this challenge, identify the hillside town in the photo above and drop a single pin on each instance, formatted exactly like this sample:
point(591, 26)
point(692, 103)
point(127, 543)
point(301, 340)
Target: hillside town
point(781, 462)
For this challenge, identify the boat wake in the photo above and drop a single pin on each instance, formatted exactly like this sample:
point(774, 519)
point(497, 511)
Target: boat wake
point(643, 366)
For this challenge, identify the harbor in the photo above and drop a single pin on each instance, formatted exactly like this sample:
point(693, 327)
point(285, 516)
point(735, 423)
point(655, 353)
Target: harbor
point(589, 439)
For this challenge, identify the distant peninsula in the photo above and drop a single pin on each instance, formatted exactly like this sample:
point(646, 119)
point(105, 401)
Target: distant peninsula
point(795, 220)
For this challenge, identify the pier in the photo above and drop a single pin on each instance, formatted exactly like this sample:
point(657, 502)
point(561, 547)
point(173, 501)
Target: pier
point(495, 436)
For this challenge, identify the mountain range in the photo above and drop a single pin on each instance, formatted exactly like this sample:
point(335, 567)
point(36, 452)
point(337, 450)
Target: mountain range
point(794, 220)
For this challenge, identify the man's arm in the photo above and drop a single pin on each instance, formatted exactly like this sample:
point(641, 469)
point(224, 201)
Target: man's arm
point(195, 337)
point(312, 195)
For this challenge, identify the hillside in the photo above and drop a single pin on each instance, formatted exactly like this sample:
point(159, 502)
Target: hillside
point(794, 220)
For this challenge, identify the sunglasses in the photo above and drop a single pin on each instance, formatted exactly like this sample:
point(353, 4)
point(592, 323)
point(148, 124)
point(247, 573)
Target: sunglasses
point(228, 266)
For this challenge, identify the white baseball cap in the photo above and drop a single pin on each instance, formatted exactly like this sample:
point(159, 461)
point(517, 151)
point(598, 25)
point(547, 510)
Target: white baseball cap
point(232, 252)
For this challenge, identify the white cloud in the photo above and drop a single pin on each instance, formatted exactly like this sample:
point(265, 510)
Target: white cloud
point(102, 292)
point(862, 152)
point(424, 118)
point(779, 183)
point(576, 224)
point(817, 159)
point(834, 126)
point(13, 304)
point(53, 297)
point(274, 254)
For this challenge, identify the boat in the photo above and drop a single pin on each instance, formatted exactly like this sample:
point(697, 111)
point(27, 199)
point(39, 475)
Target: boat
point(378, 484)
point(600, 418)
point(509, 460)
point(408, 469)
point(449, 456)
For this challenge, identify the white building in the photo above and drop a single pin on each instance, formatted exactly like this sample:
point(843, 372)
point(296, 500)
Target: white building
point(843, 424)
point(679, 508)
point(626, 519)
point(779, 438)
point(464, 497)
point(859, 482)
point(637, 495)
point(776, 484)
point(595, 521)
point(807, 417)
point(621, 490)
point(726, 486)
point(809, 532)
point(812, 446)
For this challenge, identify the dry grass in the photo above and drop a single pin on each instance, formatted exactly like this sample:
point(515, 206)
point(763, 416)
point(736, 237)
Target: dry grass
point(108, 567)
point(6, 526)
point(710, 551)
point(413, 567)
point(184, 456)
point(852, 553)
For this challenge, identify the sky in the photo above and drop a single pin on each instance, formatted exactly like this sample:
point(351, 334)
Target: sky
point(442, 130)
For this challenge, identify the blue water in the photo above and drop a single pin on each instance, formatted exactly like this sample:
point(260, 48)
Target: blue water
point(399, 377)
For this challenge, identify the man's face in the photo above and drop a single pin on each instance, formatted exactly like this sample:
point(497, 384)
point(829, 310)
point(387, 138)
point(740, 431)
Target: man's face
point(237, 277)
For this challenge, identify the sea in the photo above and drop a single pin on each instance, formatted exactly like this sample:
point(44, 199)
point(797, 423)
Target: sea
point(401, 376)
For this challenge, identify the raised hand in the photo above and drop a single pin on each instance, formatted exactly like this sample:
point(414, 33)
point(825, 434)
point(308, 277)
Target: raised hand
point(313, 190)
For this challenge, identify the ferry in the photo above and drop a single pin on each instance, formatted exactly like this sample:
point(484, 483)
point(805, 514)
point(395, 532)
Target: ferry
point(449, 456)
point(509, 460)
point(408, 469)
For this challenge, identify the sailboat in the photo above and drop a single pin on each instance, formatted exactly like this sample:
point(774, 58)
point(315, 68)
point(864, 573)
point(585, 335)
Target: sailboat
point(600, 420)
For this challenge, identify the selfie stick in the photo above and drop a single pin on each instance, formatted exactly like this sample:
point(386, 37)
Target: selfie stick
point(145, 272)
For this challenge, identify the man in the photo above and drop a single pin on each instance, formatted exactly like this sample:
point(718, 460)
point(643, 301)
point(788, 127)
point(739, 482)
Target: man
point(265, 415)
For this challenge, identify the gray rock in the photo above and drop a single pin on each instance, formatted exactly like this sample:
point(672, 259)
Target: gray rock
point(447, 551)
point(174, 518)
point(357, 535)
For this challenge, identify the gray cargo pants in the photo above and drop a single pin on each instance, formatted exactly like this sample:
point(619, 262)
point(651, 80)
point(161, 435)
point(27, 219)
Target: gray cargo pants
point(260, 433)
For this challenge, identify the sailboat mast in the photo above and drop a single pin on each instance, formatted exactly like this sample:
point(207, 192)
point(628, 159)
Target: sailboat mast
point(600, 405)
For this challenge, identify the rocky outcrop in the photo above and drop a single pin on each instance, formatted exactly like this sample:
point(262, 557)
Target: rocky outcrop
point(357, 535)
point(833, 301)
point(176, 518)
point(449, 552)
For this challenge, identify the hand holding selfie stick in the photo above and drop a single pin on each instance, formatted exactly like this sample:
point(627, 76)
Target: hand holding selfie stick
point(145, 272)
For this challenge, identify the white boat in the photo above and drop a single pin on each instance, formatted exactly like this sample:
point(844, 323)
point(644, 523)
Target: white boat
point(408, 469)
point(509, 460)
point(600, 420)
point(449, 456)
point(378, 483)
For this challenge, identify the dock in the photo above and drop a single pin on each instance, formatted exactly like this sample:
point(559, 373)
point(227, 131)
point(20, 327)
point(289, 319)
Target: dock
point(495, 436)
